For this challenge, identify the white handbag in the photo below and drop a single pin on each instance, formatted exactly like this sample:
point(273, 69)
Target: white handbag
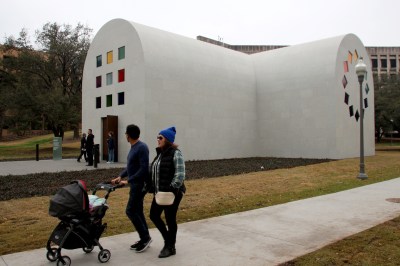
point(165, 198)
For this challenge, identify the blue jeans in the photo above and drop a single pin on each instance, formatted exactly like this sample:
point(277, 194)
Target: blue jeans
point(134, 211)
point(111, 155)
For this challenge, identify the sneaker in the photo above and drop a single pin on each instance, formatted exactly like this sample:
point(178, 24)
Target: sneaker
point(167, 251)
point(142, 246)
point(134, 246)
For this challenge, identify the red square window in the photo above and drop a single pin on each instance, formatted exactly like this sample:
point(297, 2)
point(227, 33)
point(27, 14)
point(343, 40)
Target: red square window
point(345, 66)
point(121, 75)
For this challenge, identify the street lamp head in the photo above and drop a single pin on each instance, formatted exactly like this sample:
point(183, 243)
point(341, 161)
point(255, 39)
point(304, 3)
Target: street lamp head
point(361, 67)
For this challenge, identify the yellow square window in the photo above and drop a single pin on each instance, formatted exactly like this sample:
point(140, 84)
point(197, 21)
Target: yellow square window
point(109, 57)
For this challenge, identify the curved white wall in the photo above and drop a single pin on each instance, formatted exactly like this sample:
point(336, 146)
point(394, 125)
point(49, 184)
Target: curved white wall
point(225, 104)
point(300, 100)
point(206, 91)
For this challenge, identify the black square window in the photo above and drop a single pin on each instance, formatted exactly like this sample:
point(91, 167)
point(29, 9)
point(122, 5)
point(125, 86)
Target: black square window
point(392, 63)
point(374, 63)
point(384, 63)
point(98, 102)
point(346, 98)
point(351, 111)
point(121, 98)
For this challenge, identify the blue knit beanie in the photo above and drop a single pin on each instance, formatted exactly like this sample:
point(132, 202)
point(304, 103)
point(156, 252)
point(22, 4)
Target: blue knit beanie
point(169, 134)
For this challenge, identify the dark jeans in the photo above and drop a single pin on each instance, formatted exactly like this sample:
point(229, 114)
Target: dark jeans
point(170, 212)
point(83, 153)
point(89, 152)
point(134, 211)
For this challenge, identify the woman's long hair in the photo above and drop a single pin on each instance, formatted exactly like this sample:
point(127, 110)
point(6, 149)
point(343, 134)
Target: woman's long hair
point(168, 145)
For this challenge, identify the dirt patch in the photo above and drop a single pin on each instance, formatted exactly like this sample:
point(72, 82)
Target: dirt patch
point(44, 184)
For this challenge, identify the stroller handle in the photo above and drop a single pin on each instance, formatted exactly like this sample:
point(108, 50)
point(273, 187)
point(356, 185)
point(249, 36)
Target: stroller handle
point(107, 186)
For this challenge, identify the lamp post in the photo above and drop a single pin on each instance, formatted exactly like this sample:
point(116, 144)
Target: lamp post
point(361, 71)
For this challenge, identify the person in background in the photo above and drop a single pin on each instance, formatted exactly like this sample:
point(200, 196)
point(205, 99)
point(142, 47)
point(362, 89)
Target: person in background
point(83, 148)
point(89, 147)
point(167, 174)
point(111, 146)
point(137, 171)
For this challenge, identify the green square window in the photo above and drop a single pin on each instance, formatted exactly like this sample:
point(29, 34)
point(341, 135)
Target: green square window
point(121, 52)
point(109, 100)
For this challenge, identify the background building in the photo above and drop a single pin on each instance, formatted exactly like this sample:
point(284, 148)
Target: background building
point(384, 60)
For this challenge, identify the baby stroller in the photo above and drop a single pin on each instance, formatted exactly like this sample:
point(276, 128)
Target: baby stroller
point(80, 223)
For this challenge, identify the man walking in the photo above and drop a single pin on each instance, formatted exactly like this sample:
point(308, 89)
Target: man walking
point(89, 147)
point(137, 171)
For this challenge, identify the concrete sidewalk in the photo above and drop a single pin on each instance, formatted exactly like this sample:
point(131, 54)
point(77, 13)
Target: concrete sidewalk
point(49, 166)
point(266, 236)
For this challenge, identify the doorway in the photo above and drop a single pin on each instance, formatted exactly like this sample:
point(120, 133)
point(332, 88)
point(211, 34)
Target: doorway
point(109, 123)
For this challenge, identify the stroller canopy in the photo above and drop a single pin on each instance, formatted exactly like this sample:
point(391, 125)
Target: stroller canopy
point(70, 200)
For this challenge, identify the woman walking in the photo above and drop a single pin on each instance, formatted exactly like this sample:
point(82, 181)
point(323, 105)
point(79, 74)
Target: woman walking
point(168, 175)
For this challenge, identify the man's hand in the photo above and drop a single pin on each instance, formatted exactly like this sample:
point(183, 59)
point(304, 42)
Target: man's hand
point(116, 181)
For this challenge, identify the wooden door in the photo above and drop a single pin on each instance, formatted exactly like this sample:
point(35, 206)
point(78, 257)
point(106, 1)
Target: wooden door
point(110, 123)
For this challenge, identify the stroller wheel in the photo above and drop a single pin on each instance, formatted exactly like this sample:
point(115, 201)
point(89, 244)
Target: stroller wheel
point(52, 254)
point(104, 255)
point(88, 249)
point(67, 261)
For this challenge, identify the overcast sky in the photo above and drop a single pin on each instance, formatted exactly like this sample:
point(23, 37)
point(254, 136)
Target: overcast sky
point(274, 22)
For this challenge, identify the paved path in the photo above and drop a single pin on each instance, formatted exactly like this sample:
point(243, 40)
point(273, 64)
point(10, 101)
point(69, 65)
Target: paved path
point(266, 236)
point(51, 166)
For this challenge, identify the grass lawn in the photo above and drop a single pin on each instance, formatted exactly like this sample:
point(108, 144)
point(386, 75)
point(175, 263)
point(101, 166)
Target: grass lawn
point(21, 229)
point(25, 149)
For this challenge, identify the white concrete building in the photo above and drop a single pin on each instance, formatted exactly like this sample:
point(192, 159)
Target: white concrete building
point(298, 101)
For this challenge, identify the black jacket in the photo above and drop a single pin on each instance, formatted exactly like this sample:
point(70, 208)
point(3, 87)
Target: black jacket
point(166, 172)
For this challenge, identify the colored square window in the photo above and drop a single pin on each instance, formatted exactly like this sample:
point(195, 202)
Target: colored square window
point(98, 81)
point(351, 111)
point(350, 57)
point(98, 61)
point(346, 66)
point(109, 78)
point(366, 88)
point(109, 100)
point(121, 98)
point(355, 56)
point(109, 57)
point(121, 75)
point(121, 52)
point(344, 81)
point(98, 102)
point(346, 98)
point(357, 115)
